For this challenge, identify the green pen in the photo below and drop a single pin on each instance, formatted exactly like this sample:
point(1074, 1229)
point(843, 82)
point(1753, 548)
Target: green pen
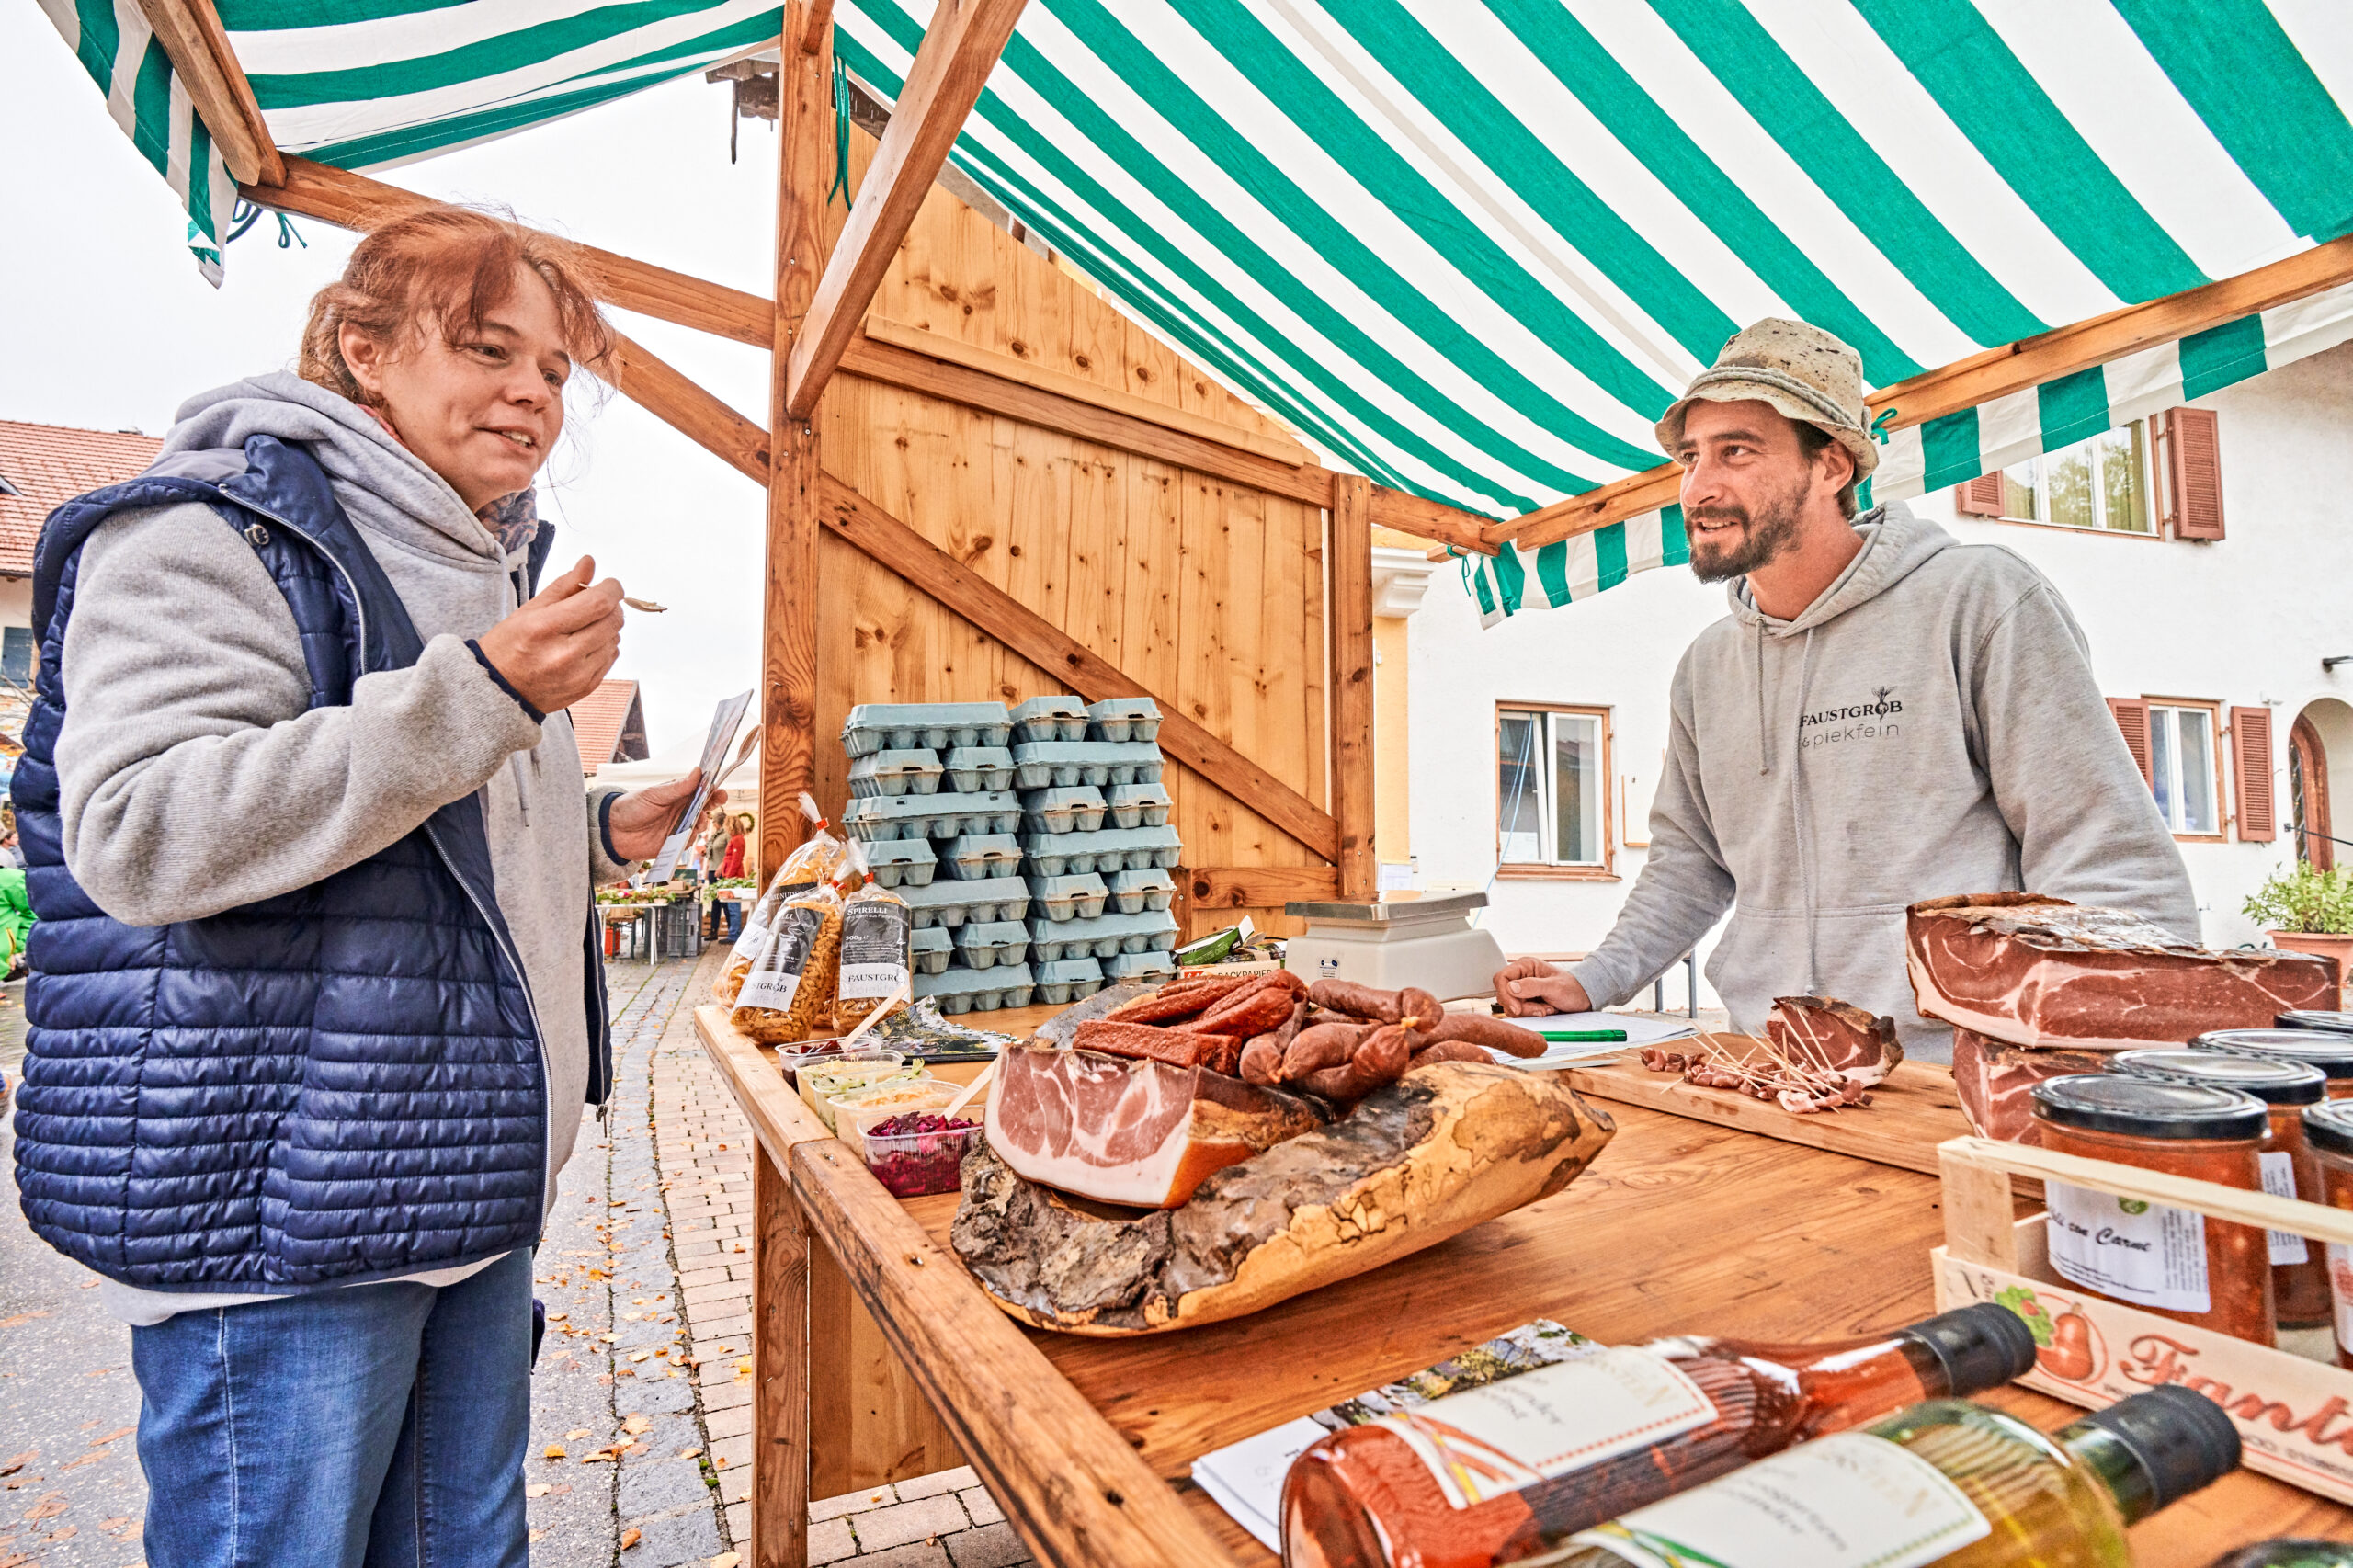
point(1601, 1036)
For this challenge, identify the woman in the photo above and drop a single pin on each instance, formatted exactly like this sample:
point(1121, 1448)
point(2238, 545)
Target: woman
point(732, 864)
point(312, 1174)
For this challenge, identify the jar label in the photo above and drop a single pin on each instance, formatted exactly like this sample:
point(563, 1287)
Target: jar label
point(755, 926)
point(874, 948)
point(776, 979)
point(1848, 1501)
point(1483, 1442)
point(2147, 1253)
point(2340, 1290)
point(2280, 1180)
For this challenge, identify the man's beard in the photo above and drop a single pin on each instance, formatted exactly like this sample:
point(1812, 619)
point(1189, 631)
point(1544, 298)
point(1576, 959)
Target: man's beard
point(1761, 539)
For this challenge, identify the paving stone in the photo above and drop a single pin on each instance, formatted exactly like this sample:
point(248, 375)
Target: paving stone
point(828, 1538)
point(667, 1542)
point(904, 1522)
point(981, 1505)
point(653, 1486)
point(852, 1503)
point(921, 1554)
point(932, 1485)
point(991, 1546)
point(729, 1422)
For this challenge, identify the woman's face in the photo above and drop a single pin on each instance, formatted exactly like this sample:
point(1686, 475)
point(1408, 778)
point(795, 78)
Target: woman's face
point(482, 411)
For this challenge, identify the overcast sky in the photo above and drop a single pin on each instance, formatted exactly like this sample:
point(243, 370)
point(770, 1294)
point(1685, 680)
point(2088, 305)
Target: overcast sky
point(106, 323)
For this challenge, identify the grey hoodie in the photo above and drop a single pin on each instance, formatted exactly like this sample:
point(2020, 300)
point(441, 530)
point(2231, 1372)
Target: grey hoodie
point(1928, 725)
point(191, 777)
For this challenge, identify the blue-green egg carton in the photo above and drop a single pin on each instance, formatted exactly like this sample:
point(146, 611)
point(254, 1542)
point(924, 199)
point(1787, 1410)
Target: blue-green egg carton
point(1146, 967)
point(1069, 980)
point(1123, 719)
point(976, 856)
point(932, 816)
point(1113, 850)
point(1138, 805)
point(911, 772)
point(986, 944)
point(974, 768)
point(1064, 765)
point(978, 989)
point(901, 863)
point(930, 948)
point(1049, 719)
point(897, 726)
point(1106, 937)
point(1080, 897)
point(1078, 810)
point(1132, 892)
point(949, 902)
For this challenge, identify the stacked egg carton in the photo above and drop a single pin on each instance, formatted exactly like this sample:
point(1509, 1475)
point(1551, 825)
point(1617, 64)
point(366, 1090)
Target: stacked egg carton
point(1095, 842)
point(931, 794)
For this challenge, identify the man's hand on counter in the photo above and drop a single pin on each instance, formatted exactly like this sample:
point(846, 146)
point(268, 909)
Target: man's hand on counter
point(1530, 987)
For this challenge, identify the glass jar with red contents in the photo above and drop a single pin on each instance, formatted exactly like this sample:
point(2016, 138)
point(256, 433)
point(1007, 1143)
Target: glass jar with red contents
point(2173, 1262)
point(2324, 1049)
point(2298, 1269)
point(2328, 1133)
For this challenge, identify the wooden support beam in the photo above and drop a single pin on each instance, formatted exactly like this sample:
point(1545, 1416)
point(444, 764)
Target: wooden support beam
point(817, 31)
point(1258, 887)
point(197, 46)
point(924, 566)
point(663, 391)
point(951, 66)
point(781, 1446)
point(1983, 377)
point(1351, 621)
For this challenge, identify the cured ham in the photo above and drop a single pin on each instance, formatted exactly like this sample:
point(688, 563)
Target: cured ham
point(1823, 1031)
point(1131, 1131)
point(1995, 1082)
point(2030, 971)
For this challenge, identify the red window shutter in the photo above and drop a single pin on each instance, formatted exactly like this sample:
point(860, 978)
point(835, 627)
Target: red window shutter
point(2251, 767)
point(2193, 474)
point(2132, 719)
point(1979, 497)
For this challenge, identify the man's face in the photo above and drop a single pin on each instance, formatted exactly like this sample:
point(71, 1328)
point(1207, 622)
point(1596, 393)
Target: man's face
point(1747, 479)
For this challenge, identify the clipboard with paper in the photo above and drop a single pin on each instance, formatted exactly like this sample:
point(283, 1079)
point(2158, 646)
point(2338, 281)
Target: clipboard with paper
point(725, 721)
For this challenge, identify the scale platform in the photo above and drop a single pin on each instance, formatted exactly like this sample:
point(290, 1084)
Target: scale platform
point(1427, 942)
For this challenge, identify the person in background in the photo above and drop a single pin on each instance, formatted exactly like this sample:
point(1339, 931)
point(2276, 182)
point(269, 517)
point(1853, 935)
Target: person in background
point(732, 865)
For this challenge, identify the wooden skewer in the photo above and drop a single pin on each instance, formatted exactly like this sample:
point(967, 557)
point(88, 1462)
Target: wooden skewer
point(898, 995)
point(979, 1083)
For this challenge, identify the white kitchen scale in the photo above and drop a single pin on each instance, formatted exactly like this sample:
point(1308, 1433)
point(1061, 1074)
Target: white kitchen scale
point(1427, 942)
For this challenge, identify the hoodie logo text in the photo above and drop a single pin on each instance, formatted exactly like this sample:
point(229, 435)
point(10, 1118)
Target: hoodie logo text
point(1856, 722)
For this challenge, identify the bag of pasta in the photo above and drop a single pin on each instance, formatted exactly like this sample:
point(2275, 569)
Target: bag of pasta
point(817, 860)
point(790, 988)
point(877, 937)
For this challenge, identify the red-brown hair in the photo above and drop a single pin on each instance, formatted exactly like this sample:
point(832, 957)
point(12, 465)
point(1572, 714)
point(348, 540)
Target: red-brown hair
point(445, 269)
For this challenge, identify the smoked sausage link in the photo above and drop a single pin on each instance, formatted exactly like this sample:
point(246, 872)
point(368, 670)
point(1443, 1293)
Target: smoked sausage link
point(1363, 1000)
point(1323, 1046)
point(1477, 1028)
point(1418, 1005)
point(1449, 1050)
point(1381, 1056)
point(1262, 1060)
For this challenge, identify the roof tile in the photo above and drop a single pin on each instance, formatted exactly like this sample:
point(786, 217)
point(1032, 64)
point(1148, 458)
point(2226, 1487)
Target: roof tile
point(48, 465)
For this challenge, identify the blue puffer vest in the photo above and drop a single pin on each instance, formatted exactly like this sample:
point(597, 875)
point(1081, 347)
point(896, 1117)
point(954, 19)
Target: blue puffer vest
point(339, 1084)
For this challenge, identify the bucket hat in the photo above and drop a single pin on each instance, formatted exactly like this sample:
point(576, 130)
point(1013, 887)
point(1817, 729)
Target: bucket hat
point(1796, 369)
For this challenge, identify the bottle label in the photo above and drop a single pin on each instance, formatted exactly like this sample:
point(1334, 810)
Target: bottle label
point(2147, 1253)
point(756, 925)
point(2280, 1180)
point(1486, 1441)
point(874, 948)
point(1848, 1501)
point(776, 979)
point(2340, 1290)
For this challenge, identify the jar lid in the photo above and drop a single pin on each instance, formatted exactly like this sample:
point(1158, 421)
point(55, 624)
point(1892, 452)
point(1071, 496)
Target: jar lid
point(2332, 1053)
point(2328, 1127)
point(2316, 1019)
point(2271, 1079)
point(2148, 1107)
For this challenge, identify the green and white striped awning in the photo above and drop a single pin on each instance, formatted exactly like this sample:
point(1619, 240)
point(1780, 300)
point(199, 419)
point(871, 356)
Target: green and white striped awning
point(1473, 248)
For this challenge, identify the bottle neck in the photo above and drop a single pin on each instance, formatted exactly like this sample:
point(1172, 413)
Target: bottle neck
point(2117, 1468)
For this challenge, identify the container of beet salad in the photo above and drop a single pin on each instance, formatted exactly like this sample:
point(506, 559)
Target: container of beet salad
point(2173, 1262)
point(2298, 1269)
point(2324, 1048)
point(2328, 1133)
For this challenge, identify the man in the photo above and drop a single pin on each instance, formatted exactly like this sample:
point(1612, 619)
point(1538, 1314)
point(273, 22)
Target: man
point(1887, 715)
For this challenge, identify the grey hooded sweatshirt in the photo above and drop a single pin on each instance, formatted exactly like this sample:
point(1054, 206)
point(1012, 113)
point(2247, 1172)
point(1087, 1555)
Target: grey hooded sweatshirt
point(1929, 725)
point(191, 778)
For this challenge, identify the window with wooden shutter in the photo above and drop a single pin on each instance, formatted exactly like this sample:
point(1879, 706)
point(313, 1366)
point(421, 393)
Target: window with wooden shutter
point(1979, 497)
point(2193, 466)
point(2251, 771)
point(2132, 719)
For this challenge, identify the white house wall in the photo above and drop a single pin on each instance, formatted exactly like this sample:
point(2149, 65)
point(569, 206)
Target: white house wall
point(2244, 621)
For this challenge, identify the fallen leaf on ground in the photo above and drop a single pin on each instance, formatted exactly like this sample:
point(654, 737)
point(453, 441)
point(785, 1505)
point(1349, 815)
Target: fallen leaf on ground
point(631, 1538)
point(577, 1431)
point(611, 1338)
point(537, 1536)
point(118, 1431)
point(51, 1504)
point(689, 1453)
point(725, 1560)
point(86, 1458)
point(552, 1451)
point(18, 1462)
point(537, 1489)
point(558, 1317)
point(62, 1532)
point(637, 1423)
point(719, 1461)
point(642, 1354)
point(20, 1318)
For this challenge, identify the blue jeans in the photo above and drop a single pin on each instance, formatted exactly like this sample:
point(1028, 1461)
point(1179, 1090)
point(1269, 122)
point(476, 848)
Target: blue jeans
point(360, 1426)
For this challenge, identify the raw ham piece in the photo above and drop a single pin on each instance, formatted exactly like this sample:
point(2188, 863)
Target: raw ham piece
point(1824, 1031)
point(2040, 972)
point(1128, 1131)
point(1995, 1082)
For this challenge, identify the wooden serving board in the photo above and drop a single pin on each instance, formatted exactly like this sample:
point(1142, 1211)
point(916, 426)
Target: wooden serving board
point(1909, 1115)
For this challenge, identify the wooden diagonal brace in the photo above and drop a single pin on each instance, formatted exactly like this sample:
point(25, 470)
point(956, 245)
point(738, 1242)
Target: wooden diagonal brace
point(666, 393)
point(198, 46)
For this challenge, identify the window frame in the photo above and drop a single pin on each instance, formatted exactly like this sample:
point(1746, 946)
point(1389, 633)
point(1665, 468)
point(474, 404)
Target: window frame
point(2149, 479)
point(1555, 870)
point(32, 659)
point(2225, 812)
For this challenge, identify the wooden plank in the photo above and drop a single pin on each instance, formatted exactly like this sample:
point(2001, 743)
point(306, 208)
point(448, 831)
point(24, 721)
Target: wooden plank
point(1257, 887)
point(1426, 518)
point(1909, 1115)
point(1980, 1223)
point(781, 1369)
point(2260, 1210)
point(665, 392)
point(1073, 1490)
point(927, 567)
point(951, 66)
point(1983, 377)
point(817, 31)
point(778, 1117)
point(1062, 383)
point(789, 605)
point(198, 46)
point(1351, 565)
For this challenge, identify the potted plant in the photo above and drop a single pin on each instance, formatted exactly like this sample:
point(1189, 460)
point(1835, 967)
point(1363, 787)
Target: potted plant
point(2308, 911)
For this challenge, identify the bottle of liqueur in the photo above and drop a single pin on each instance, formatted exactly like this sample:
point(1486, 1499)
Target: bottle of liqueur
point(1501, 1473)
point(1946, 1483)
point(2289, 1553)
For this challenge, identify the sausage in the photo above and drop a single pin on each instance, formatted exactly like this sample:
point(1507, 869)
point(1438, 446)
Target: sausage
point(1251, 1010)
point(1382, 1055)
point(1225, 1056)
point(1178, 998)
point(1323, 1045)
point(1478, 1028)
point(1262, 1060)
point(1179, 1047)
point(1368, 1002)
point(1348, 1082)
point(1449, 1050)
point(1418, 1009)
